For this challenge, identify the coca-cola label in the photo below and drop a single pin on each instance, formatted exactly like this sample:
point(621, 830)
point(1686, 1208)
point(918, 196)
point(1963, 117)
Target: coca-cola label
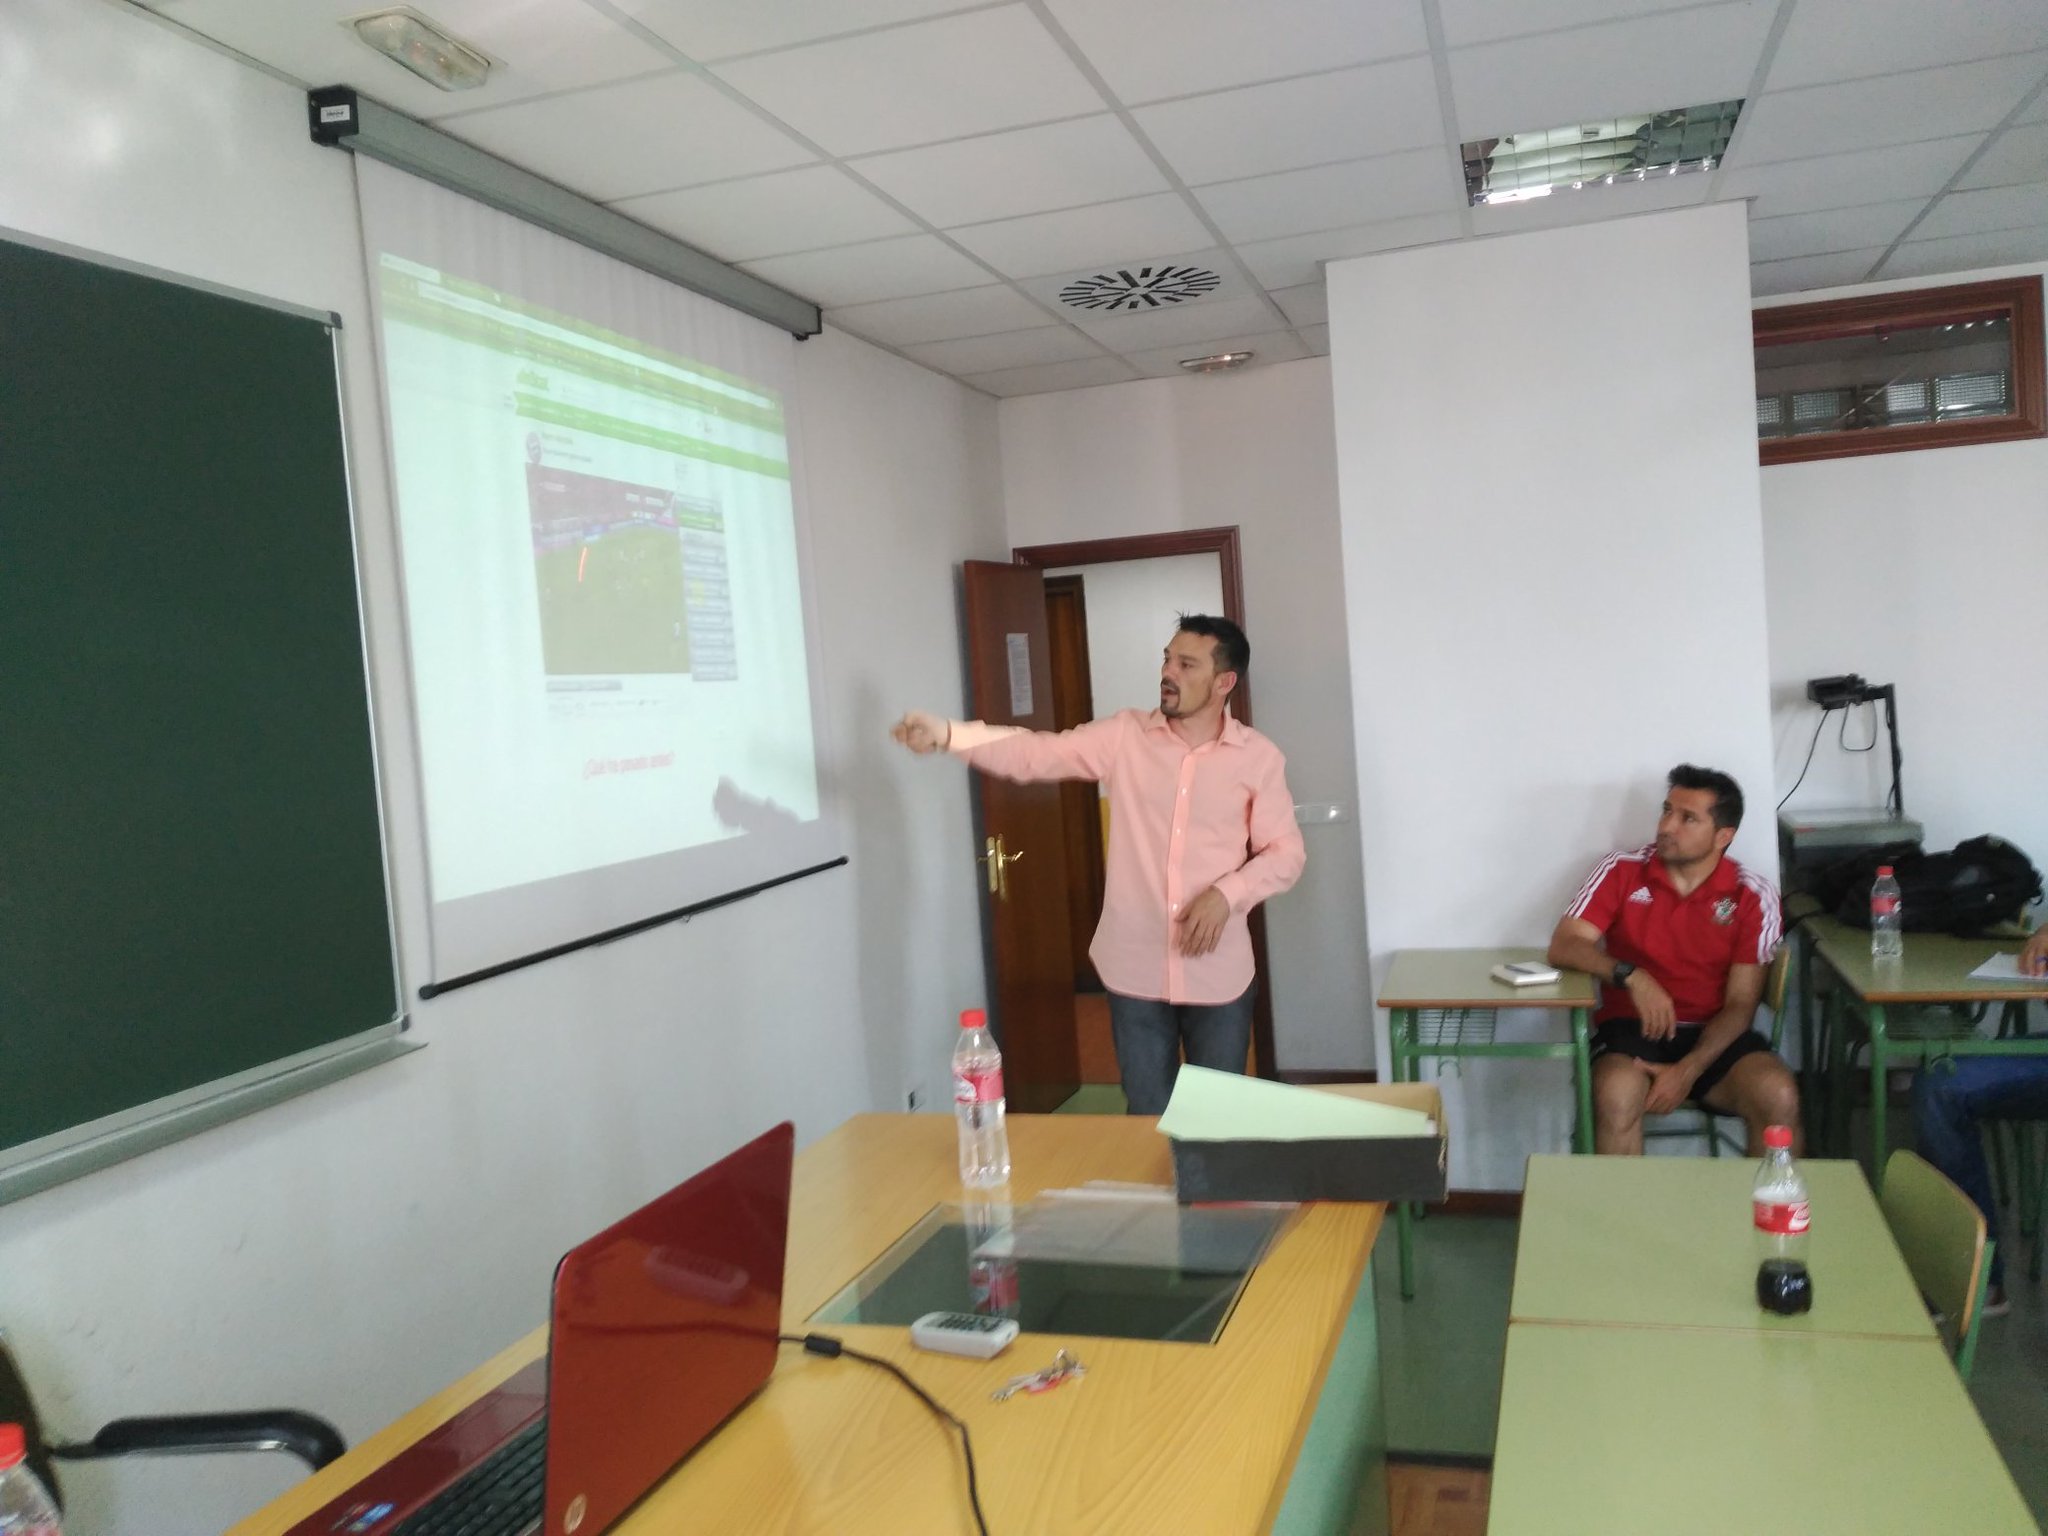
point(1883, 906)
point(983, 1087)
point(1786, 1218)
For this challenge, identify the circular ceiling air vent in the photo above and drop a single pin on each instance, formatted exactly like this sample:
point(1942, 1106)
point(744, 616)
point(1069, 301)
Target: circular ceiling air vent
point(1140, 288)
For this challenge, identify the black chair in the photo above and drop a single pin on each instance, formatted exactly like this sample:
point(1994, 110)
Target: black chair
point(310, 1438)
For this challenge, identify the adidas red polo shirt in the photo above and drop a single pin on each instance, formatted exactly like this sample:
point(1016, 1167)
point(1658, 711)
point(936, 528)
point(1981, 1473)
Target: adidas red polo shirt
point(1687, 942)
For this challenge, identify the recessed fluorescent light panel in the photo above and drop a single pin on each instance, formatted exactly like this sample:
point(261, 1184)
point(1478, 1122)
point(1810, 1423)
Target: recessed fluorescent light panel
point(404, 35)
point(1522, 166)
point(1216, 362)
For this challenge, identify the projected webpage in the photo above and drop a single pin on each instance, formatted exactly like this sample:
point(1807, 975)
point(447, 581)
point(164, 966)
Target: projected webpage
point(607, 620)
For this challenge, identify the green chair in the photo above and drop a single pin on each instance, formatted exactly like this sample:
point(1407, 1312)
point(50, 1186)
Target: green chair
point(1941, 1232)
point(1697, 1119)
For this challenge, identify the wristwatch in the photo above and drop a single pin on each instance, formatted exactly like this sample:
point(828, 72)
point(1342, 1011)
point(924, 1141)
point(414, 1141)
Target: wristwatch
point(1623, 969)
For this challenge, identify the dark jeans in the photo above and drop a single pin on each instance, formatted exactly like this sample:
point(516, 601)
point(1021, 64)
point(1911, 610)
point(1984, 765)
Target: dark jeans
point(1947, 1106)
point(1150, 1036)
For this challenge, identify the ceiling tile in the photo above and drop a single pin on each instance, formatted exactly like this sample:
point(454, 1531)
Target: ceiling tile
point(621, 140)
point(1187, 322)
point(880, 269)
point(1962, 253)
point(1891, 109)
point(1839, 229)
point(2035, 111)
point(1970, 213)
point(717, 29)
point(1673, 59)
point(1044, 378)
point(2016, 155)
point(1830, 40)
point(1843, 181)
point(799, 210)
point(1307, 305)
point(1176, 47)
point(919, 84)
point(1593, 205)
point(1343, 115)
point(1027, 170)
point(1141, 228)
point(1011, 349)
point(542, 48)
point(1298, 259)
point(1485, 21)
point(1318, 339)
point(1804, 273)
point(1265, 347)
point(940, 316)
point(1335, 196)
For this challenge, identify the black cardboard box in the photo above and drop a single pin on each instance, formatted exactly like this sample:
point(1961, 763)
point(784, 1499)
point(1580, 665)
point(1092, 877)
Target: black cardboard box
point(1353, 1168)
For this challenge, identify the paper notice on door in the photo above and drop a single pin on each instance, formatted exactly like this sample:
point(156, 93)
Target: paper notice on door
point(1020, 674)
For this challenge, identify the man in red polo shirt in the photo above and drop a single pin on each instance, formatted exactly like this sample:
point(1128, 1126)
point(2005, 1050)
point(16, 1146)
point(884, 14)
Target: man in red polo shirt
point(1681, 936)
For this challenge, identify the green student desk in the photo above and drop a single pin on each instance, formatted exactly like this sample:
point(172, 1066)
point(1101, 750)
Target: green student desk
point(1443, 1003)
point(1665, 1242)
point(1623, 1431)
point(1935, 969)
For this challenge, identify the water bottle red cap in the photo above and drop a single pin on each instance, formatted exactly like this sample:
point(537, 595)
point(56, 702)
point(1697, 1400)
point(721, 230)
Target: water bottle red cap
point(1884, 871)
point(974, 1018)
point(1777, 1135)
point(13, 1446)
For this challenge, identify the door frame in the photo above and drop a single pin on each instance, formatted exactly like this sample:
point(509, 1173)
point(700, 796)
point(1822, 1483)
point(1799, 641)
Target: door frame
point(1224, 544)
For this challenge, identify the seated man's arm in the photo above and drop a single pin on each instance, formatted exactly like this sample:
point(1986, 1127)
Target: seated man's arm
point(1737, 1012)
point(1577, 946)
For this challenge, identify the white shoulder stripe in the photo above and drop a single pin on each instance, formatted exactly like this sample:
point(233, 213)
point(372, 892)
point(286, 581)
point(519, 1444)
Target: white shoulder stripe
point(1771, 928)
point(1606, 865)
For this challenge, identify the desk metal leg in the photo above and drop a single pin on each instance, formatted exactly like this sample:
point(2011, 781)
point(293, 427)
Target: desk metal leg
point(1402, 1058)
point(1582, 1076)
point(1873, 1021)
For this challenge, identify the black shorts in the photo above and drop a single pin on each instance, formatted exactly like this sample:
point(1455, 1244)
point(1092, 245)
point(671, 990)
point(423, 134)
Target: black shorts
point(1624, 1037)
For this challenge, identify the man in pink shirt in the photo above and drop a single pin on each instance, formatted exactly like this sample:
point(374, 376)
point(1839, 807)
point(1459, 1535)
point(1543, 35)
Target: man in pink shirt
point(1201, 830)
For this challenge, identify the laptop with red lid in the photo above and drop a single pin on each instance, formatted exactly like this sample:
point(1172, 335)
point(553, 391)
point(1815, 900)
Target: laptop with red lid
point(663, 1325)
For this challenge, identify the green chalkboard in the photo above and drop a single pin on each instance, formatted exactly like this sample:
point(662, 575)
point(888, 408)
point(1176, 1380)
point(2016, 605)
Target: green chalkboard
point(192, 879)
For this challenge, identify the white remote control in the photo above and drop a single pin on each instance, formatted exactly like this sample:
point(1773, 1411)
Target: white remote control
point(964, 1333)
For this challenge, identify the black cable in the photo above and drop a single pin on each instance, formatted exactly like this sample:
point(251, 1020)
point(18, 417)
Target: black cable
point(1842, 735)
point(824, 1345)
point(1826, 710)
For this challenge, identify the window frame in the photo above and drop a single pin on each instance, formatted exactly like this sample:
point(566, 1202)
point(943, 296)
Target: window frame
point(2017, 300)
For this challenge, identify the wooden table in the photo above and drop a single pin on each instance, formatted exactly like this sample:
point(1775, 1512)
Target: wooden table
point(1935, 969)
point(1622, 1431)
point(1665, 1242)
point(1443, 1002)
point(1644, 1390)
point(1156, 1438)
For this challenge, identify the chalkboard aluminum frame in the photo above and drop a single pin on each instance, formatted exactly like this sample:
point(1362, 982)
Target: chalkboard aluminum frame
point(72, 1153)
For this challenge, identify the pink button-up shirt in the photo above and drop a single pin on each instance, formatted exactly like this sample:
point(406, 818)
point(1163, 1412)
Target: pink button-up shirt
point(1180, 821)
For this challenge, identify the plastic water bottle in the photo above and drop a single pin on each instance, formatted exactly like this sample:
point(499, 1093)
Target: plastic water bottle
point(978, 1104)
point(1781, 1216)
point(1887, 917)
point(990, 1221)
point(26, 1508)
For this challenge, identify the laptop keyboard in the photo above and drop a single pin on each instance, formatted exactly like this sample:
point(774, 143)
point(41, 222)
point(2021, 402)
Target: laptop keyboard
point(498, 1497)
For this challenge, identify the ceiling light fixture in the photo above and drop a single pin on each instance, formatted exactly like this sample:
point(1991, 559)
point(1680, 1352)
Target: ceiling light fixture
point(1218, 362)
point(1520, 166)
point(403, 35)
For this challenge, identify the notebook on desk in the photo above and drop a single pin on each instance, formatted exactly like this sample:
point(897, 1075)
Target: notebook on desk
point(663, 1325)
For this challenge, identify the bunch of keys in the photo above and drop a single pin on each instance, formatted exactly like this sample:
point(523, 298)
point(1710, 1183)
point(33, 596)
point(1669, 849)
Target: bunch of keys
point(1064, 1368)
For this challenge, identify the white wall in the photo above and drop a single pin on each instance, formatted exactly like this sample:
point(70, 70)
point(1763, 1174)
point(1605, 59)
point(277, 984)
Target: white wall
point(1131, 605)
point(1250, 449)
point(358, 1248)
point(1553, 568)
point(1928, 570)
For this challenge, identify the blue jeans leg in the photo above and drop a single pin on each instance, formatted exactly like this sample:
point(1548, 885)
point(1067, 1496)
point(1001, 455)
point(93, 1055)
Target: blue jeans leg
point(1952, 1098)
point(1149, 1036)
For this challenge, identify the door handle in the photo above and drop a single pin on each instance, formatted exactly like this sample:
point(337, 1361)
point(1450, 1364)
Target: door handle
point(998, 863)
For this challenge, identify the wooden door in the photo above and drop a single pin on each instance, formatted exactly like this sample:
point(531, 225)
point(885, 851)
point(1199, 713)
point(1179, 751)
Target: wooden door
point(1010, 683)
